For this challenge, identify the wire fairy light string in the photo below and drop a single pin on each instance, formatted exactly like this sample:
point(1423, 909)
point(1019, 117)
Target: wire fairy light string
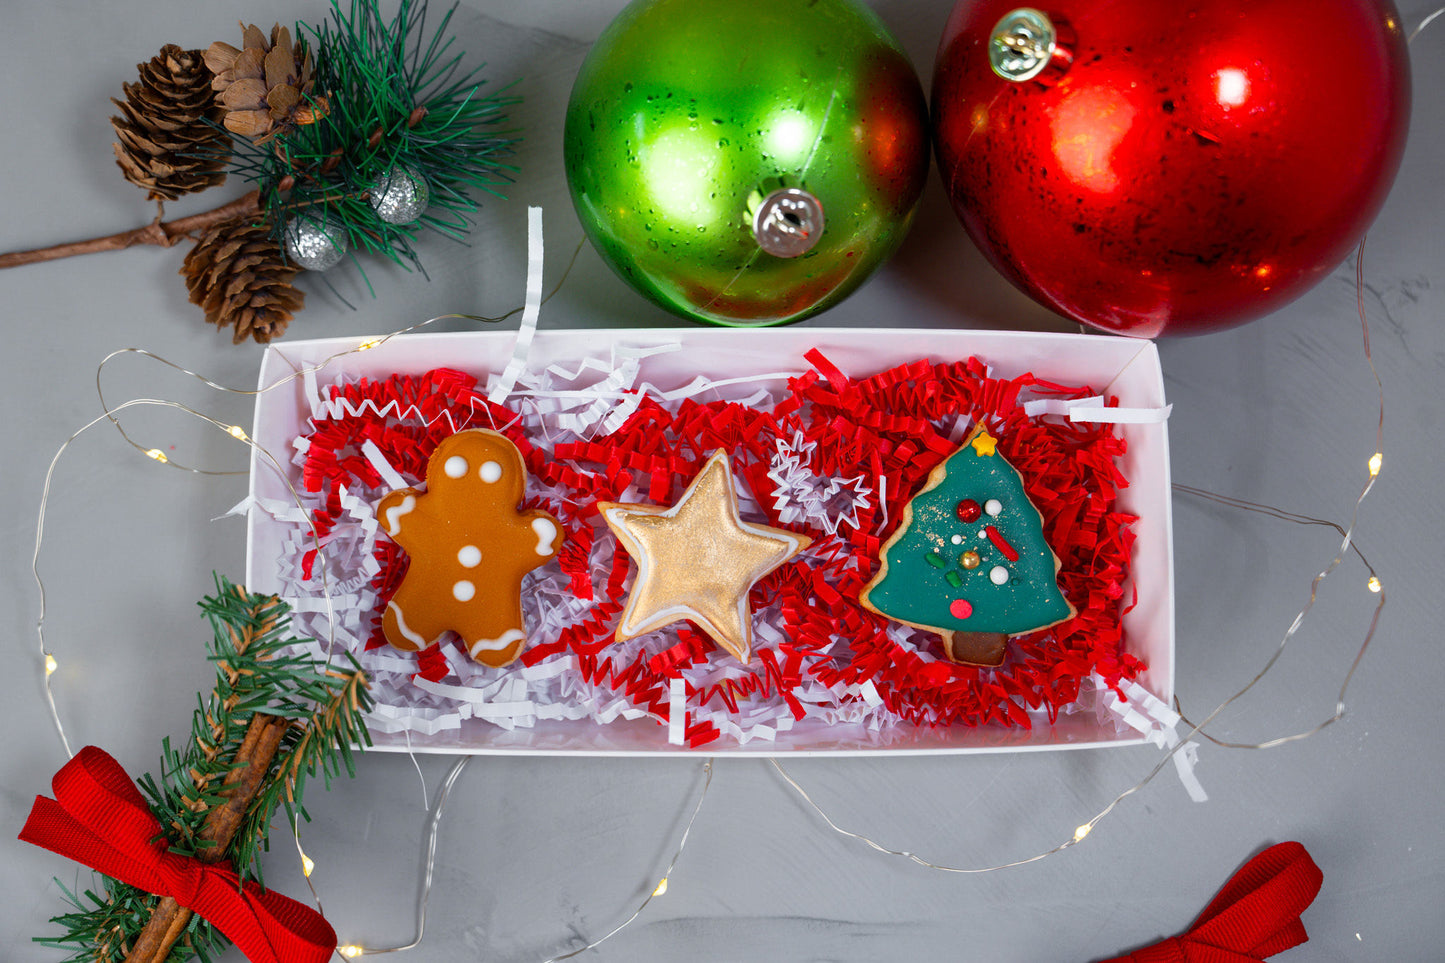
point(1373, 466)
point(50, 665)
point(353, 950)
point(1374, 585)
point(1347, 545)
point(48, 660)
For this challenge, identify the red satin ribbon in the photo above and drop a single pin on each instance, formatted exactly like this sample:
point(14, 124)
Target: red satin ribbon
point(1255, 915)
point(99, 818)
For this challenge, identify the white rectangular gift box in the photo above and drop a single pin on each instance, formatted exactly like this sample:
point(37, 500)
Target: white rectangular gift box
point(1119, 367)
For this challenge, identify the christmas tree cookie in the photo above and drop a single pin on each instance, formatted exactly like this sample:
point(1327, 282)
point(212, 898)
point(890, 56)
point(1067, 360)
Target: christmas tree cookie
point(969, 560)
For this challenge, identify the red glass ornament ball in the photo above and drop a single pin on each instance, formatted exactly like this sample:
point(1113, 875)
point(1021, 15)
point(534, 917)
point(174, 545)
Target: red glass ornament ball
point(1178, 167)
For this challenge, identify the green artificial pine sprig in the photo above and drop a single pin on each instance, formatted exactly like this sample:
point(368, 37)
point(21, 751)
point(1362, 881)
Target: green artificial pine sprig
point(315, 124)
point(390, 95)
point(258, 671)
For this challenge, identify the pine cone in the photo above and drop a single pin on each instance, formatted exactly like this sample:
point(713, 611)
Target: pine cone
point(238, 277)
point(264, 86)
point(166, 144)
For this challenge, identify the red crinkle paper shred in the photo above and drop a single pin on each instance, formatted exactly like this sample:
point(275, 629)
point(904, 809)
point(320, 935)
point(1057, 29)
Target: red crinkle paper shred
point(892, 426)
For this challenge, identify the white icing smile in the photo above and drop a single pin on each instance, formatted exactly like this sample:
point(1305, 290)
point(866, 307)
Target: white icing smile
point(493, 645)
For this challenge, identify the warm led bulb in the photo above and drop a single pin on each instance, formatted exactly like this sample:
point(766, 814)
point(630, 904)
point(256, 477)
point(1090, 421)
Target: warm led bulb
point(237, 432)
point(158, 455)
point(661, 887)
point(1376, 460)
point(351, 951)
point(50, 665)
point(1081, 832)
point(368, 345)
point(307, 865)
point(1374, 584)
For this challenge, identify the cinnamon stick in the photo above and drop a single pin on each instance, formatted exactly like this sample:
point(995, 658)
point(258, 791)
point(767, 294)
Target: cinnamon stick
point(253, 763)
point(158, 232)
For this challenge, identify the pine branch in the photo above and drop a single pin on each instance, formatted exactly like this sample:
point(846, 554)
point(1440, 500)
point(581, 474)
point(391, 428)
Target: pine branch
point(389, 94)
point(252, 763)
point(158, 232)
point(273, 717)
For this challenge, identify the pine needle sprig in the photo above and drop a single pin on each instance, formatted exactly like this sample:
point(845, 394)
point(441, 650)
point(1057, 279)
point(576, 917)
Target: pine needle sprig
point(324, 745)
point(398, 98)
point(104, 926)
point(262, 674)
point(366, 103)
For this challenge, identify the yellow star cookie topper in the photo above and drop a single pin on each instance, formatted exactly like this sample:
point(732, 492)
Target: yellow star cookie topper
point(983, 443)
point(698, 560)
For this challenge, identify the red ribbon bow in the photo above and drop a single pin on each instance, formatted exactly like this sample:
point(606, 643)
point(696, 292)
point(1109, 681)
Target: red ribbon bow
point(99, 818)
point(1255, 915)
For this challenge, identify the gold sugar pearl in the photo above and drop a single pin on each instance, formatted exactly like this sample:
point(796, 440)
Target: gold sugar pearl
point(971, 560)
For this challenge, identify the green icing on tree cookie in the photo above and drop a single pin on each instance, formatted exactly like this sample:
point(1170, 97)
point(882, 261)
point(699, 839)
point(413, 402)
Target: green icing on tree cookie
point(970, 556)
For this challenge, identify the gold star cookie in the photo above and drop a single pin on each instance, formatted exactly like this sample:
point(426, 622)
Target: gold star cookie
point(698, 560)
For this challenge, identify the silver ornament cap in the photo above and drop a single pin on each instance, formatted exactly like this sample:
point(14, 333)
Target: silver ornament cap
point(315, 243)
point(789, 222)
point(400, 195)
point(1028, 44)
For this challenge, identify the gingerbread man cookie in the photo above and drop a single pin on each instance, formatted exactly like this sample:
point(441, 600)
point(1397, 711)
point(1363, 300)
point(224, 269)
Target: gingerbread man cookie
point(469, 548)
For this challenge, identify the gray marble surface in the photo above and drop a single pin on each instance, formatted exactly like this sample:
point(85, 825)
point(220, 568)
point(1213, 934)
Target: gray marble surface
point(539, 855)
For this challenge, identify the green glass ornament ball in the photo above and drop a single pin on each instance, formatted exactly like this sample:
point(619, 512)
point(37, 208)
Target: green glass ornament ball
point(746, 162)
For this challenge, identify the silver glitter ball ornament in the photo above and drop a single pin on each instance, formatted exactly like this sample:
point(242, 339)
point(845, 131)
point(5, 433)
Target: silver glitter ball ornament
point(315, 243)
point(400, 195)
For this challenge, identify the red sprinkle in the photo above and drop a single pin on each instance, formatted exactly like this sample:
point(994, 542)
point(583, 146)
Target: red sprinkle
point(1001, 543)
